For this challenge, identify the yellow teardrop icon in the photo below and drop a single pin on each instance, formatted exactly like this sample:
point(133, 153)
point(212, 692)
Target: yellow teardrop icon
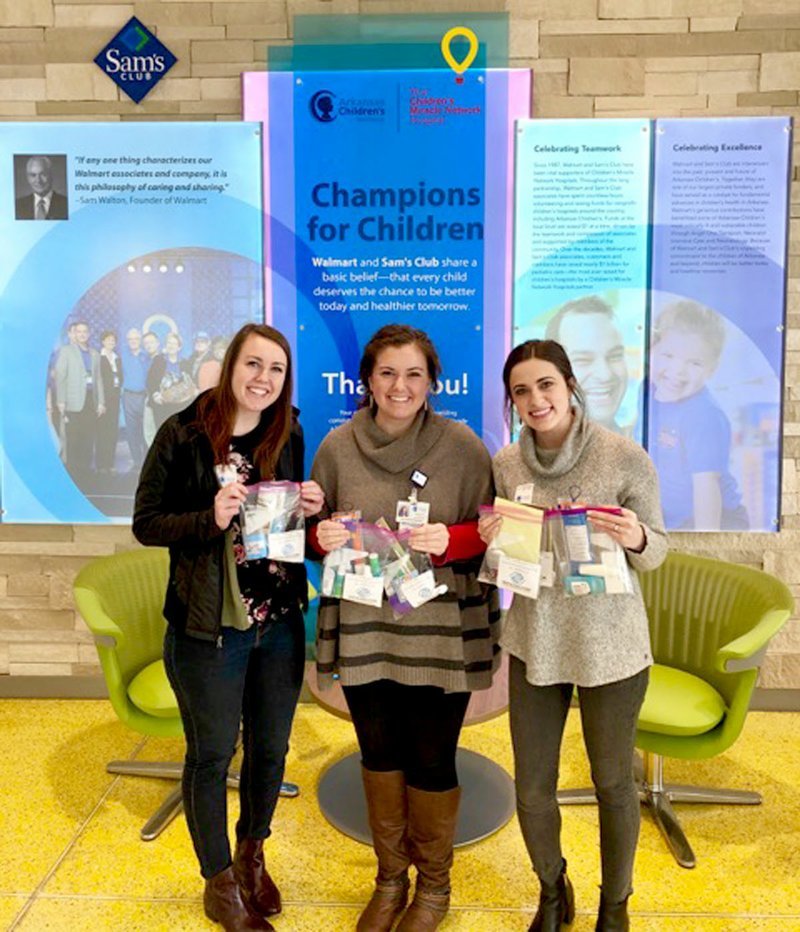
point(472, 51)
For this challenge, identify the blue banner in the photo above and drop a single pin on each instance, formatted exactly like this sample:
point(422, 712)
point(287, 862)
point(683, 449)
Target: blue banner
point(403, 215)
point(718, 309)
point(581, 253)
point(390, 214)
point(120, 240)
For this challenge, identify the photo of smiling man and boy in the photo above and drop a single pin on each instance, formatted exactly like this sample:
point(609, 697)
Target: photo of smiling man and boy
point(689, 432)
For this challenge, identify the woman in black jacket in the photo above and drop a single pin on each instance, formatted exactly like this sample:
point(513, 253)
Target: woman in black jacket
point(235, 642)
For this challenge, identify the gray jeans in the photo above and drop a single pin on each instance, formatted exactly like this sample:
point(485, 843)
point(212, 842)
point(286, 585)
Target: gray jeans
point(608, 715)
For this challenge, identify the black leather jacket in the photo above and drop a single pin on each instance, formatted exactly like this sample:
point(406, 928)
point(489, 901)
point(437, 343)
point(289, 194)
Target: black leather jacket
point(175, 508)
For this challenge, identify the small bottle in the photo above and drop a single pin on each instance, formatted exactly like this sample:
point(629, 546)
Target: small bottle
point(375, 564)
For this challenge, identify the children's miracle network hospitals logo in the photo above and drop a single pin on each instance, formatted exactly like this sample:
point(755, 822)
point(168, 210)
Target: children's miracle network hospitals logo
point(135, 60)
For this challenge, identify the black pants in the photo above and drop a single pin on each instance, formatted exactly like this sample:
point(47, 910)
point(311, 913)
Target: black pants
point(608, 714)
point(253, 678)
point(410, 728)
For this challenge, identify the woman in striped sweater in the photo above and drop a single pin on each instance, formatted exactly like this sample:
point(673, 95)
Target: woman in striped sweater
point(408, 682)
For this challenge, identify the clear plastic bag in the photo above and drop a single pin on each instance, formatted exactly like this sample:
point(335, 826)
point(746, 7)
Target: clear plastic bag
point(589, 561)
point(512, 559)
point(354, 572)
point(377, 560)
point(273, 524)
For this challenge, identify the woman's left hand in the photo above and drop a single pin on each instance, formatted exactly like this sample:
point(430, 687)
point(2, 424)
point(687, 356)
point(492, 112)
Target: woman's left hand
point(312, 498)
point(624, 528)
point(430, 538)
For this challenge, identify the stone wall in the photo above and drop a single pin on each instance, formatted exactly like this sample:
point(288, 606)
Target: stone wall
point(590, 58)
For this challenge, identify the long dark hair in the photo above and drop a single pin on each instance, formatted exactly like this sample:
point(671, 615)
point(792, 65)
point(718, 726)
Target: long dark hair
point(396, 335)
point(216, 409)
point(549, 351)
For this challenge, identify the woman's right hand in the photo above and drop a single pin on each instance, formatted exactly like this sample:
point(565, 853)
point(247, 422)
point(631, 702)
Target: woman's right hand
point(227, 503)
point(488, 527)
point(331, 535)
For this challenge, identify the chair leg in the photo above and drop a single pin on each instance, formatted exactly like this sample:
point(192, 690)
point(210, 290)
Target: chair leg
point(161, 818)
point(708, 794)
point(582, 797)
point(173, 804)
point(146, 768)
point(658, 797)
point(666, 820)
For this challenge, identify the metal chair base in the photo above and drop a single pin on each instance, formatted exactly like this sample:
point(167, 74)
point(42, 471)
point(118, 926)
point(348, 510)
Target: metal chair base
point(487, 798)
point(658, 797)
point(173, 804)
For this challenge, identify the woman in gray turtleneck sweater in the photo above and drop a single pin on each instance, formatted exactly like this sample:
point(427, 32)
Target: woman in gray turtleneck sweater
point(600, 643)
point(407, 682)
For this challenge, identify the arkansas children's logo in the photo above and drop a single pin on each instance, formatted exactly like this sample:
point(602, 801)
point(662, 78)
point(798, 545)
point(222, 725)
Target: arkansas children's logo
point(135, 60)
point(325, 106)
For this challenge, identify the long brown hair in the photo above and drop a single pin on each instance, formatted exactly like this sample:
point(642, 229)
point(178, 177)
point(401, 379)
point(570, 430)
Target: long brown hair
point(396, 335)
point(216, 410)
point(549, 351)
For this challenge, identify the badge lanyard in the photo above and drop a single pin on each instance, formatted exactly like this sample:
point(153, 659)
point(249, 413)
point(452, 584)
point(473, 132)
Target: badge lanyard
point(411, 512)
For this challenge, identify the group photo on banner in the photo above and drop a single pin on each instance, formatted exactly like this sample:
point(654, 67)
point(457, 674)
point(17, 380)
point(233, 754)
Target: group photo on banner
point(118, 301)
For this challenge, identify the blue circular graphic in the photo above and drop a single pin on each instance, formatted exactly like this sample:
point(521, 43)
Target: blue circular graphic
point(322, 106)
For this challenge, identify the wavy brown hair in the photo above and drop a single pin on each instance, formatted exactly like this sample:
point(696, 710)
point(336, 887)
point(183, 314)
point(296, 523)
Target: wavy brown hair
point(216, 409)
point(396, 335)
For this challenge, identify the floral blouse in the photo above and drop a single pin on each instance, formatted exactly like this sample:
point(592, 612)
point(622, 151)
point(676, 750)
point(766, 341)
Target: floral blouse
point(267, 589)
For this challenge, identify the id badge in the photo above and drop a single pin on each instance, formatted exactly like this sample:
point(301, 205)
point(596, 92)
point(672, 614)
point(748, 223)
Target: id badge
point(524, 493)
point(410, 514)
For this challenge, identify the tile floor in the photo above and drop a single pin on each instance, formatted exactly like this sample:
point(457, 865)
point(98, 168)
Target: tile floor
point(71, 858)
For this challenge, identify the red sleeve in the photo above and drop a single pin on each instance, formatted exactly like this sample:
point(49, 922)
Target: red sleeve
point(312, 540)
point(464, 544)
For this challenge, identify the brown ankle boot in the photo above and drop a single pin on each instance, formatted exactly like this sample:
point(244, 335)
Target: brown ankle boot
point(387, 809)
point(223, 903)
point(258, 888)
point(431, 829)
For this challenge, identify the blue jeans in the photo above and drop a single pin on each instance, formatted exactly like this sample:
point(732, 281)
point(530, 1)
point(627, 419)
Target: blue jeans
point(608, 715)
point(133, 406)
point(253, 678)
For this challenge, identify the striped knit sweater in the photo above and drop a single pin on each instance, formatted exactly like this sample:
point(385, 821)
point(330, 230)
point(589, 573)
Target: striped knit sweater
point(450, 642)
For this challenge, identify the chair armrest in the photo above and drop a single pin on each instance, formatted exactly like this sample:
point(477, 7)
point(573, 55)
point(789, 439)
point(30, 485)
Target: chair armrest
point(746, 652)
point(101, 625)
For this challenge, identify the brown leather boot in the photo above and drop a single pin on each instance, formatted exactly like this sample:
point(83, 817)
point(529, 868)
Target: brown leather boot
point(431, 829)
point(258, 888)
point(223, 903)
point(387, 809)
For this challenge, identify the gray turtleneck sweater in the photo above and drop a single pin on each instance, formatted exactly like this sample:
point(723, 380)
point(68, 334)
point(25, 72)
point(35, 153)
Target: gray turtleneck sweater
point(588, 640)
point(451, 641)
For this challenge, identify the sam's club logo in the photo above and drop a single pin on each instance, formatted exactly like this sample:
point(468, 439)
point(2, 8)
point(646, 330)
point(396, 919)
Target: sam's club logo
point(135, 60)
